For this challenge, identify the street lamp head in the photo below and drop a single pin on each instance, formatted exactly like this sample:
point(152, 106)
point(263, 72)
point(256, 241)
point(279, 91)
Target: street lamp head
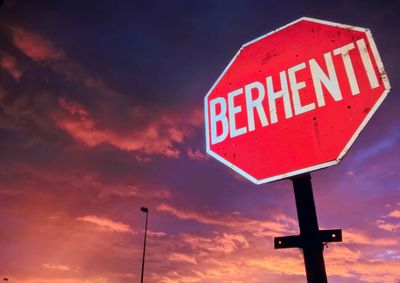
point(144, 209)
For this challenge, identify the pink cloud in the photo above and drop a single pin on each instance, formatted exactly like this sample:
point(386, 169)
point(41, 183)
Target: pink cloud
point(390, 227)
point(156, 234)
point(8, 63)
point(105, 224)
point(259, 228)
point(186, 215)
point(158, 136)
point(34, 45)
point(73, 108)
point(395, 214)
point(196, 154)
point(41, 49)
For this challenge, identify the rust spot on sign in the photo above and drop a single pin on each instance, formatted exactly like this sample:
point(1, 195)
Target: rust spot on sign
point(316, 131)
point(268, 57)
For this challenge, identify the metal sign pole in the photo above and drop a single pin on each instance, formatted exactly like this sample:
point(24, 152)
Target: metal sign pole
point(311, 240)
point(312, 246)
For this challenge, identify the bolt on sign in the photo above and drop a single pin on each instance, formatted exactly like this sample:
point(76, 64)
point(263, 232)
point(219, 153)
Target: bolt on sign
point(294, 100)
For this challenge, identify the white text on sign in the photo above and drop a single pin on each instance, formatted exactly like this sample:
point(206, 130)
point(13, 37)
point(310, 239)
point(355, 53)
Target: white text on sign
point(289, 93)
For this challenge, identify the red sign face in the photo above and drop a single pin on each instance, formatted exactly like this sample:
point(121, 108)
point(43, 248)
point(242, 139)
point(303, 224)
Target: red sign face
point(294, 100)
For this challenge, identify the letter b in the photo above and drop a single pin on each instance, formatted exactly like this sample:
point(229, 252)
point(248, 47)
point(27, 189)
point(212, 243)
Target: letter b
point(220, 117)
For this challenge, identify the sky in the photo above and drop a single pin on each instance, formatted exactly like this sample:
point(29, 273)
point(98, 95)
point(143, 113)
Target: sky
point(101, 113)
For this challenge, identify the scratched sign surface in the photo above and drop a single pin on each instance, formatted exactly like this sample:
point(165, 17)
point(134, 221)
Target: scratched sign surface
point(294, 100)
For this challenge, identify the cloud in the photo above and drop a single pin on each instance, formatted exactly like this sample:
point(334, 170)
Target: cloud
point(176, 277)
point(224, 243)
point(361, 238)
point(60, 267)
point(279, 265)
point(159, 136)
point(129, 192)
point(43, 50)
point(390, 227)
point(395, 214)
point(390, 222)
point(59, 280)
point(182, 258)
point(26, 113)
point(8, 63)
point(105, 224)
point(35, 46)
point(196, 154)
point(186, 215)
point(228, 243)
point(149, 133)
point(156, 234)
point(345, 262)
point(259, 228)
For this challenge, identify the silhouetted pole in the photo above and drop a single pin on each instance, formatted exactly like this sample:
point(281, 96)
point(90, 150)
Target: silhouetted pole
point(145, 210)
point(311, 240)
point(312, 246)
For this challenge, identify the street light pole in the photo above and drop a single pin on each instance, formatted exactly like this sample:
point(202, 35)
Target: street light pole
point(145, 210)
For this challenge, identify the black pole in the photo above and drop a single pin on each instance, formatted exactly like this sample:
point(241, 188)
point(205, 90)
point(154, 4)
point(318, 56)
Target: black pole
point(311, 240)
point(145, 210)
point(309, 231)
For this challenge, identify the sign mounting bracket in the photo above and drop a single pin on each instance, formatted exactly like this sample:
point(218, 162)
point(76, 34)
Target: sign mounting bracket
point(311, 240)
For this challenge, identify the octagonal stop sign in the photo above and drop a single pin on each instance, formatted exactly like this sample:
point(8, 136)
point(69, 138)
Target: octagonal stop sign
point(294, 100)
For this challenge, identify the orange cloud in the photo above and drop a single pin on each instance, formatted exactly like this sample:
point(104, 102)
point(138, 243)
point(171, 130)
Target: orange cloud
point(363, 239)
point(60, 267)
point(279, 264)
point(59, 280)
point(346, 262)
point(176, 277)
point(225, 243)
point(182, 258)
